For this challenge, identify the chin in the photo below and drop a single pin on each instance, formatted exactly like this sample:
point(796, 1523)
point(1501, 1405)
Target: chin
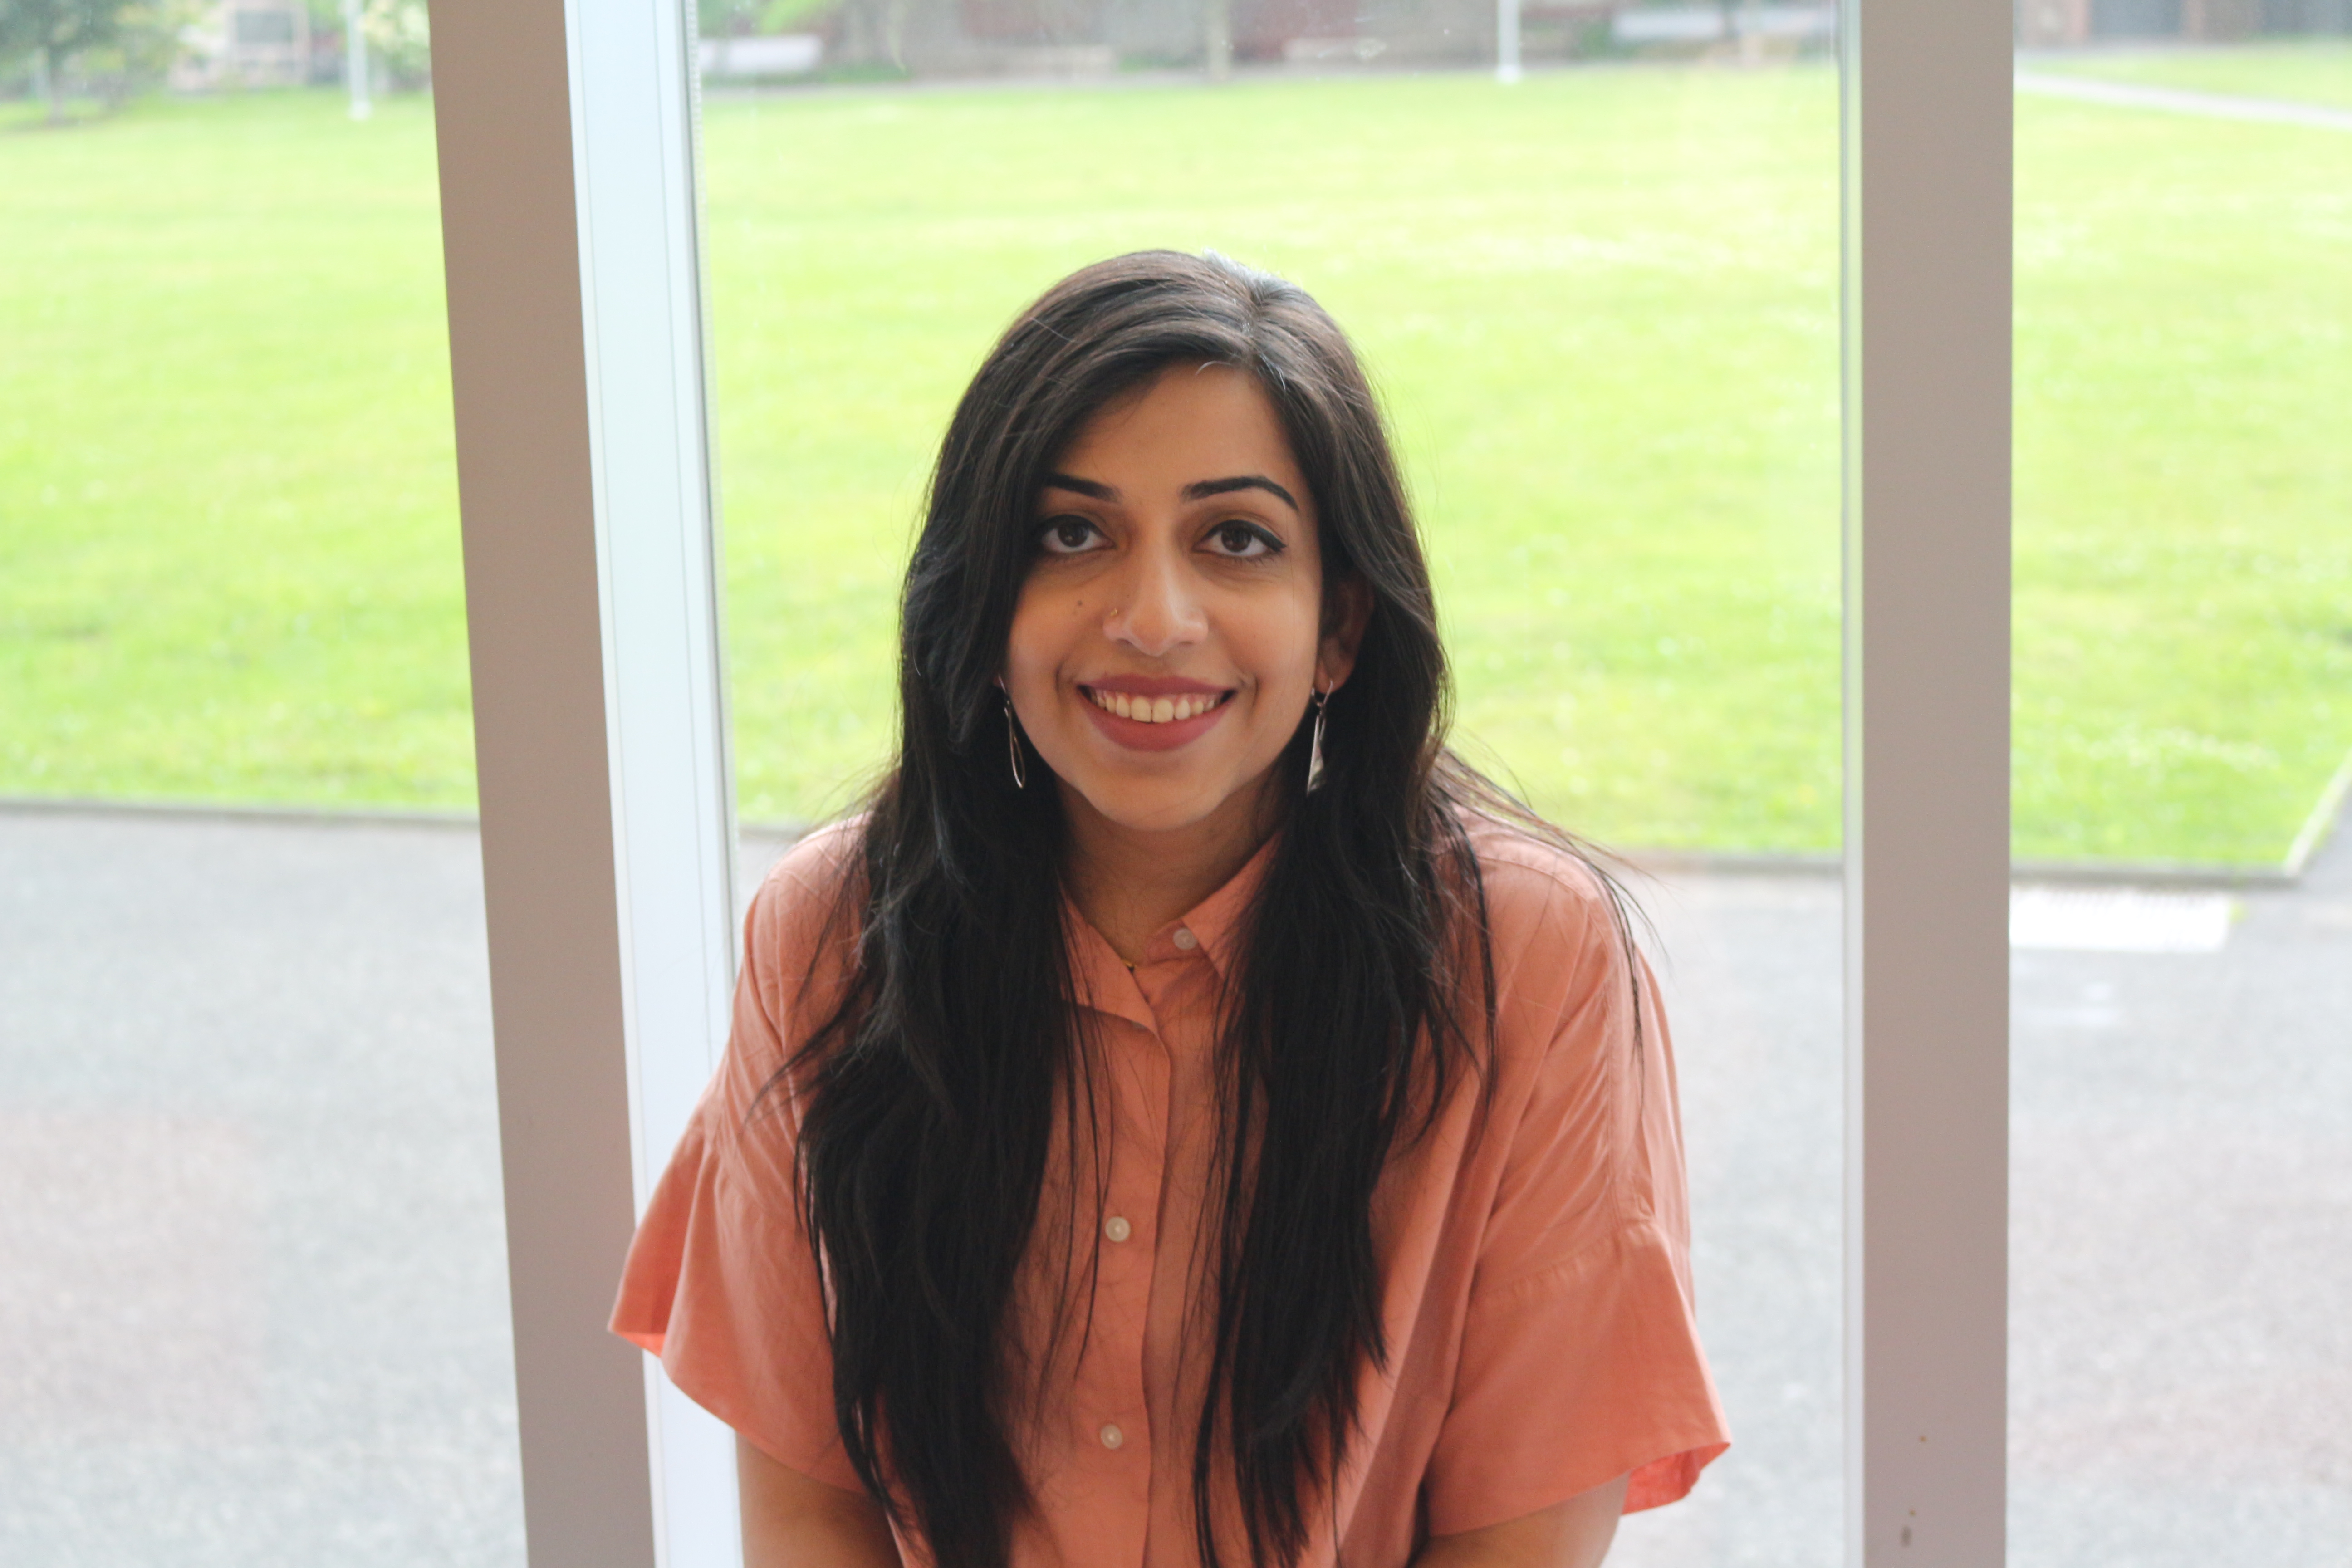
point(1138, 816)
point(1151, 807)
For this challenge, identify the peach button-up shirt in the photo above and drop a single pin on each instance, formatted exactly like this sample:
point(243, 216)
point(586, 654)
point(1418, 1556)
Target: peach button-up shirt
point(1537, 1288)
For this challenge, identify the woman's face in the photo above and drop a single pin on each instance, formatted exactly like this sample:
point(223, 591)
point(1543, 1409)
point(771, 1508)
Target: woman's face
point(1171, 632)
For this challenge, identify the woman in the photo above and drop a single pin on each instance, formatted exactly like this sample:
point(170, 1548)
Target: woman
point(1189, 1117)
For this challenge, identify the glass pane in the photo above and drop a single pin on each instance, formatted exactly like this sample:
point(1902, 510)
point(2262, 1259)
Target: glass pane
point(2183, 1175)
point(253, 1303)
point(1601, 305)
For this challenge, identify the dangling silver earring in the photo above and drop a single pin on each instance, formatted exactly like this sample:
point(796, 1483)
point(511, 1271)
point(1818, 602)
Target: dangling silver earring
point(1315, 747)
point(1013, 744)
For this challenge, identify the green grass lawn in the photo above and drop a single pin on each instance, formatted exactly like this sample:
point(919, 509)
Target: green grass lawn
point(228, 509)
point(1602, 308)
point(2184, 481)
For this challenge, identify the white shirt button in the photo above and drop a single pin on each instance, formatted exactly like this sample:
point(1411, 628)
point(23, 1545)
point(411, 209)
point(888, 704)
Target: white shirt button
point(1117, 1228)
point(1185, 940)
point(1111, 1435)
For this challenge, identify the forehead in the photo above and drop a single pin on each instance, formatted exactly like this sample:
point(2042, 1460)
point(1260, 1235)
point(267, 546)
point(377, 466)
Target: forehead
point(1187, 424)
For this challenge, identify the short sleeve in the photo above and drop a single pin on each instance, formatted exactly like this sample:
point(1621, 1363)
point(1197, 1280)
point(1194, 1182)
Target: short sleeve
point(720, 1281)
point(1580, 1358)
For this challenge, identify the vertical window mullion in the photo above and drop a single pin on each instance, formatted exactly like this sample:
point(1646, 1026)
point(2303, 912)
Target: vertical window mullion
point(570, 234)
point(1926, 128)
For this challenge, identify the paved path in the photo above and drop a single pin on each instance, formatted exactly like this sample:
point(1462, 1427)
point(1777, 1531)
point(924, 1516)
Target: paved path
point(252, 1305)
point(2179, 100)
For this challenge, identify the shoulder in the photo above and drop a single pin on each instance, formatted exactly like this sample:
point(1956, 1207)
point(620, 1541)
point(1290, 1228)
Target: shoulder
point(1572, 1000)
point(1578, 1035)
point(1545, 904)
point(798, 914)
point(819, 858)
point(809, 876)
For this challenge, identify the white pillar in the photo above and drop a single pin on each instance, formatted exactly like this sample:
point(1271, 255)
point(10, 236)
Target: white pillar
point(1506, 40)
point(1926, 86)
point(568, 190)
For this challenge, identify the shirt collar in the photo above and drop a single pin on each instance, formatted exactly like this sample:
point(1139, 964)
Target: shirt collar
point(1105, 981)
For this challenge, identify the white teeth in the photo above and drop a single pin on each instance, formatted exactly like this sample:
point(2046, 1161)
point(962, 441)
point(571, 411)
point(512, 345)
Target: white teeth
point(1152, 709)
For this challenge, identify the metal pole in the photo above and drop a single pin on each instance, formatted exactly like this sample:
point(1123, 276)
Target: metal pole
point(355, 60)
point(1506, 40)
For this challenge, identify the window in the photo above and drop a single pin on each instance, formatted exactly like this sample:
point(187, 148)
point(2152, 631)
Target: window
point(1601, 302)
point(1927, 376)
point(2182, 662)
point(254, 1299)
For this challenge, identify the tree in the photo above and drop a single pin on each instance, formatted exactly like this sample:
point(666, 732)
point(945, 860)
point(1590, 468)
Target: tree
point(400, 34)
point(52, 31)
point(735, 19)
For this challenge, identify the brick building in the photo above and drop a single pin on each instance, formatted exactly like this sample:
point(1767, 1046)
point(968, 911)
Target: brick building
point(2060, 23)
point(245, 43)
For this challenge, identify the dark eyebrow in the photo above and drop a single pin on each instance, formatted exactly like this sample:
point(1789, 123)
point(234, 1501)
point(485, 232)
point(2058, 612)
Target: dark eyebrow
point(1080, 487)
point(1207, 488)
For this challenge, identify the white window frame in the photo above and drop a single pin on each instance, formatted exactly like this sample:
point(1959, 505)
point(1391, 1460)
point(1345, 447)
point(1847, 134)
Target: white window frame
point(569, 224)
point(567, 133)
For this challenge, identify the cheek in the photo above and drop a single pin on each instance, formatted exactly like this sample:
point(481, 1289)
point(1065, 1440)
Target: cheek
point(1282, 639)
point(1040, 639)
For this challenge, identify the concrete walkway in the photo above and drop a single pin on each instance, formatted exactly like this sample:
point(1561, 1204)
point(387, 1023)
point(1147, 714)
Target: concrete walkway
point(2181, 101)
point(252, 1303)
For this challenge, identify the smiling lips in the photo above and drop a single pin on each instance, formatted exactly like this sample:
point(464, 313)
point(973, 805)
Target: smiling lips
point(1156, 710)
point(1154, 721)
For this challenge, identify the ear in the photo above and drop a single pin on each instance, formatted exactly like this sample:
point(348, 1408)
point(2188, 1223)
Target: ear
point(1347, 611)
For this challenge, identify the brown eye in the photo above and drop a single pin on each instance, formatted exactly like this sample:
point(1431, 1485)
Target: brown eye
point(1243, 541)
point(1068, 536)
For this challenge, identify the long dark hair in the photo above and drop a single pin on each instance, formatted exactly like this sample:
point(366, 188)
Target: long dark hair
point(934, 1087)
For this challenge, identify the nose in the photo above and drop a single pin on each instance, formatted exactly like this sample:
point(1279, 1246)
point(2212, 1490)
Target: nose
point(1156, 610)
